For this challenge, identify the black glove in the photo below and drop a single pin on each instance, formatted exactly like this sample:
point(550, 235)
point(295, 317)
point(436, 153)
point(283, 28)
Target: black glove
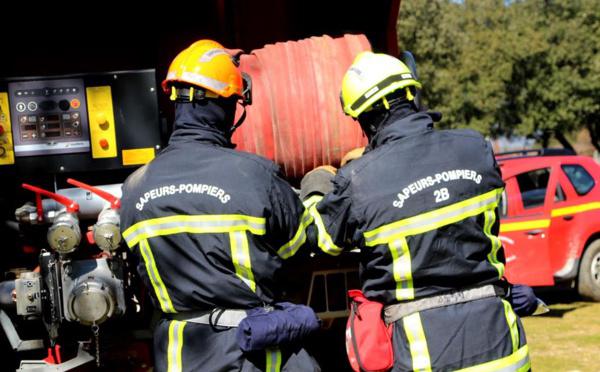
point(523, 300)
point(317, 181)
point(435, 116)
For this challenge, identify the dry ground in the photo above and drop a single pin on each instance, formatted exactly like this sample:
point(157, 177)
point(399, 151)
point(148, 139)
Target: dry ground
point(567, 338)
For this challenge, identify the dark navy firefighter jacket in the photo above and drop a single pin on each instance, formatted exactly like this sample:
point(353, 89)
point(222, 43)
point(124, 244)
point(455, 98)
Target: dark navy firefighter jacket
point(422, 206)
point(212, 227)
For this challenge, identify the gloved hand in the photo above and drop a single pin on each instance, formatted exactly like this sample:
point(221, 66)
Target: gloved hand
point(352, 155)
point(317, 181)
point(286, 324)
point(524, 302)
point(435, 116)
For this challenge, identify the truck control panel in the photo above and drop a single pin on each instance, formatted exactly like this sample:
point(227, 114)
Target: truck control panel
point(51, 117)
point(78, 123)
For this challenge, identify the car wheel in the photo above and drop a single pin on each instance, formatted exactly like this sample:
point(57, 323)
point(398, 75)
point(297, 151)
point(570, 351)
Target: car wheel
point(588, 285)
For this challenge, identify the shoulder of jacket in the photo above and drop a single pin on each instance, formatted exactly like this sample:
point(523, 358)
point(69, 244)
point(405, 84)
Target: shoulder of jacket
point(259, 161)
point(135, 178)
point(357, 166)
point(463, 132)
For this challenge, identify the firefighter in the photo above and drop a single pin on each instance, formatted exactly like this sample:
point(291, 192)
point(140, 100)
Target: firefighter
point(422, 206)
point(211, 226)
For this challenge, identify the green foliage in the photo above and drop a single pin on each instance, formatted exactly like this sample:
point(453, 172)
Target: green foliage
point(507, 67)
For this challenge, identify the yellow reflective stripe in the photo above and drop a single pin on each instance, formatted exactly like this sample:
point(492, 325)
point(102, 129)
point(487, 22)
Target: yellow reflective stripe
point(490, 219)
point(434, 219)
point(575, 209)
point(273, 360)
point(324, 241)
point(402, 269)
point(196, 224)
point(159, 287)
point(511, 320)
point(240, 255)
point(413, 327)
point(516, 362)
point(544, 223)
point(312, 201)
point(291, 247)
point(175, 346)
point(524, 225)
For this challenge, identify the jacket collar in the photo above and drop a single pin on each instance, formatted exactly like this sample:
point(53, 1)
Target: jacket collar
point(398, 128)
point(207, 123)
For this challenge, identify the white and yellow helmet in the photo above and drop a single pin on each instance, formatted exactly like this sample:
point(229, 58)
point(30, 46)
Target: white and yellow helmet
point(371, 77)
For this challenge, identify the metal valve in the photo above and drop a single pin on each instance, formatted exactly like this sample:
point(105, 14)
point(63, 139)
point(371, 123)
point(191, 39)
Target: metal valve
point(64, 235)
point(107, 234)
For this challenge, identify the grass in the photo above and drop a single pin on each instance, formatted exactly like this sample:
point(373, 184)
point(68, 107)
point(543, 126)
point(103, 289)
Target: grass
point(565, 339)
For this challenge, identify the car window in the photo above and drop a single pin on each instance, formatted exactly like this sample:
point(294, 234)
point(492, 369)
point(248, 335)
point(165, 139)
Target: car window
point(532, 186)
point(582, 181)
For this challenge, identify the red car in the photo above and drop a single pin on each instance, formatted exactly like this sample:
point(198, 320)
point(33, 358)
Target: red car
point(550, 219)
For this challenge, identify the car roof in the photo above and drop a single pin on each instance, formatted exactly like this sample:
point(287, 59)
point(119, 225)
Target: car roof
point(515, 165)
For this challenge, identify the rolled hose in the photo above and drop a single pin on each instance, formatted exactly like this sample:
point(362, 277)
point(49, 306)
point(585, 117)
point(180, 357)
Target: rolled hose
point(296, 118)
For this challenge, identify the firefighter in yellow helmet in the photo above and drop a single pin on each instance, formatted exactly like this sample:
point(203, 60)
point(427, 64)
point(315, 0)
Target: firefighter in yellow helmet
point(214, 230)
point(422, 205)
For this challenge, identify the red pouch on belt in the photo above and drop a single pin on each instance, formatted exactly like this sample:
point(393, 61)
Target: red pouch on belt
point(368, 339)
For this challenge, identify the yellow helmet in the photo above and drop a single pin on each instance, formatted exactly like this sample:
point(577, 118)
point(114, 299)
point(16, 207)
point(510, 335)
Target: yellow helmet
point(371, 77)
point(208, 65)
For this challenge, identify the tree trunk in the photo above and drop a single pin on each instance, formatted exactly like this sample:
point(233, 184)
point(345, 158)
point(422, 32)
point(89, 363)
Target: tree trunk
point(545, 139)
point(563, 141)
point(594, 135)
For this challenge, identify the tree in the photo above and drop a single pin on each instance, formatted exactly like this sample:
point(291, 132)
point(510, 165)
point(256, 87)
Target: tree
point(508, 66)
point(463, 58)
point(557, 89)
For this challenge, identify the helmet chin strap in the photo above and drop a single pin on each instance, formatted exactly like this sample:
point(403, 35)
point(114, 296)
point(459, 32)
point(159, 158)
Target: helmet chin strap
point(372, 125)
point(240, 121)
point(376, 127)
point(245, 100)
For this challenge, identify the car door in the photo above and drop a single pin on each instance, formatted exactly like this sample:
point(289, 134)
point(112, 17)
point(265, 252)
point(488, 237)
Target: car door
point(563, 226)
point(525, 225)
point(570, 214)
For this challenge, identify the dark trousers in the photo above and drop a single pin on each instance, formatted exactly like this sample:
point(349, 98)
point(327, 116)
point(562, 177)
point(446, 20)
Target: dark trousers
point(482, 333)
point(185, 346)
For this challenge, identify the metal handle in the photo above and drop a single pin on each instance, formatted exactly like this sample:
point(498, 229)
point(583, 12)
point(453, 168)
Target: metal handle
point(72, 206)
point(115, 203)
point(534, 232)
point(568, 217)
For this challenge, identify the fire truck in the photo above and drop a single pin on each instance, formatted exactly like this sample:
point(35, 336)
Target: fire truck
point(80, 110)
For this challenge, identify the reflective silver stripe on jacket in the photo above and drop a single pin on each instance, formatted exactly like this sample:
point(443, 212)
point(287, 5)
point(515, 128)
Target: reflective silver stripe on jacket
point(215, 317)
point(193, 224)
point(392, 313)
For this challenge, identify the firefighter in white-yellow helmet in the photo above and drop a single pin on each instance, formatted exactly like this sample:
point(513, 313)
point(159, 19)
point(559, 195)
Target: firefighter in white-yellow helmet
point(422, 206)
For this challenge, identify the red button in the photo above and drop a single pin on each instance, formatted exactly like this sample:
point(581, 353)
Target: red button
point(103, 143)
point(75, 103)
point(1, 130)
